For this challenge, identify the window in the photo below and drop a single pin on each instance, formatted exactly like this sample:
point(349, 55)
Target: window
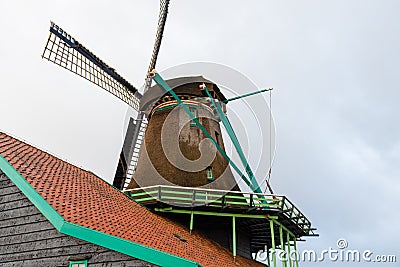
point(209, 172)
point(82, 263)
point(194, 112)
point(217, 137)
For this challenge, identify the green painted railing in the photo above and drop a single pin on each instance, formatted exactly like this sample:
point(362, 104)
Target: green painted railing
point(191, 197)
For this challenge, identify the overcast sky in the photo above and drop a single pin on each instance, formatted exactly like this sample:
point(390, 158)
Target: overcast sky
point(334, 66)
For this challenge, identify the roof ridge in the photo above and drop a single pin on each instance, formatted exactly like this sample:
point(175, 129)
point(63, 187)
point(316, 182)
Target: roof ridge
point(53, 154)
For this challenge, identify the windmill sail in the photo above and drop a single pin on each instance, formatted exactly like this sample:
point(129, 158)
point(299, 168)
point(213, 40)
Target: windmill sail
point(162, 18)
point(139, 131)
point(67, 52)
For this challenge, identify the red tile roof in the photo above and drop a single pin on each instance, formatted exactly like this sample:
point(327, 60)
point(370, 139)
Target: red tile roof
point(82, 198)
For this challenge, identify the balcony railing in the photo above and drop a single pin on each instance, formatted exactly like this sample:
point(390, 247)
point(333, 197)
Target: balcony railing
point(244, 202)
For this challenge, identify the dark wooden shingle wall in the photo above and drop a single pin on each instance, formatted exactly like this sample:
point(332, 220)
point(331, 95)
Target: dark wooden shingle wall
point(27, 238)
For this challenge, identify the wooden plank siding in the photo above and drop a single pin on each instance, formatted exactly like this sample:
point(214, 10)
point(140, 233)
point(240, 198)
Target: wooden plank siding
point(27, 238)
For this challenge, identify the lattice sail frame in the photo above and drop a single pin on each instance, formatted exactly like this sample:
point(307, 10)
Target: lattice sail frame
point(64, 50)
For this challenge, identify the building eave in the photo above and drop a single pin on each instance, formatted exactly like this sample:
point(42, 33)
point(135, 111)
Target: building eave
point(123, 246)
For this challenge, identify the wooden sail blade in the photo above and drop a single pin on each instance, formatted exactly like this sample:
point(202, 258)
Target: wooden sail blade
point(67, 52)
point(162, 18)
point(128, 156)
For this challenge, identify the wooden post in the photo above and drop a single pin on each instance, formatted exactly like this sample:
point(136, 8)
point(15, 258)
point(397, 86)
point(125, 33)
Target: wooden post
point(191, 222)
point(234, 237)
point(159, 193)
point(271, 226)
point(282, 245)
point(288, 249)
point(295, 248)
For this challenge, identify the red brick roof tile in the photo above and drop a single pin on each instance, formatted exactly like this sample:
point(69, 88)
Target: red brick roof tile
point(82, 198)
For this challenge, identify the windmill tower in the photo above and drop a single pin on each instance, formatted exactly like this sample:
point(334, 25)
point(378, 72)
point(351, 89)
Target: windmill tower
point(196, 163)
point(174, 161)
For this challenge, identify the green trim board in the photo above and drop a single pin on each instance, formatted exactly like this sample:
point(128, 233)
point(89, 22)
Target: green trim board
point(45, 208)
point(123, 246)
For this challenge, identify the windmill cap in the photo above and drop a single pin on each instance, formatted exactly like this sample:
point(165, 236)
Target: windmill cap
point(154, 93)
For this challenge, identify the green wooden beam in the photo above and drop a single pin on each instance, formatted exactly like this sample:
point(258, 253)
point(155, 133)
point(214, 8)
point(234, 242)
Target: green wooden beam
point(225, 121)
point(191, 221)
point(288, 249)
point(234, 237)
point(295, 249)
point(246, 95)
point(271, 226)
point(282, 245)
point(210, 213)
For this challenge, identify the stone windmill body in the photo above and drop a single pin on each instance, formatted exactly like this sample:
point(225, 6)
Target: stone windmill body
point(196, 163)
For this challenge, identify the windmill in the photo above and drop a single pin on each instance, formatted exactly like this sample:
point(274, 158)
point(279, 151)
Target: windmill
point(161, 164)
point(65, 51)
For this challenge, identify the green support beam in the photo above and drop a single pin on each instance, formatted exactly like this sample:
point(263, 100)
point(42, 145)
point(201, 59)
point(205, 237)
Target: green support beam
point(288, 249)
point(191, 221)
point(271, 226)
point(210, 213)
point(282, 245)
point(246, 95)
point(254, 185)
point(295, 249)
point(234, 237)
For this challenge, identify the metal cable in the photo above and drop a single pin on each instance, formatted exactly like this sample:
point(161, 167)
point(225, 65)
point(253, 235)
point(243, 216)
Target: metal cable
point(268, 185)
